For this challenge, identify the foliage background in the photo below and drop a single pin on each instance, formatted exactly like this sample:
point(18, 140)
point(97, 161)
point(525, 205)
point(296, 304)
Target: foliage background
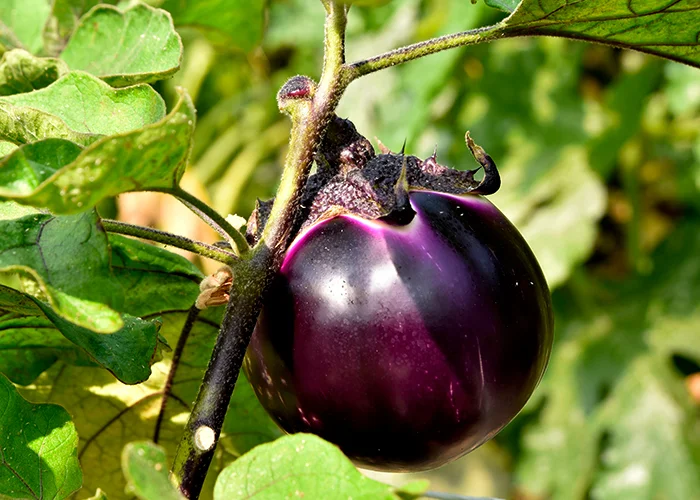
point(600, 155)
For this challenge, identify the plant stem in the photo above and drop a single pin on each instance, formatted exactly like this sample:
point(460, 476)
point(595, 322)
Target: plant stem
point(148, 233)
point(308, 126)
point(211, 217)
point(177, 354)
point(420, 49)
point(256, 271)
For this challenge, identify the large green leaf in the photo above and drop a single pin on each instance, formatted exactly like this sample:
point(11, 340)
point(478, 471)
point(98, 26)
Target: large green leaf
point(22, 72)
point(146, 469)
point(301, 465)
point(109, 414)
point(63, 19)
point(21, 22)
point(66, 261)
point(29, 342)
point(667, 28)
point(137, 45)
point(56, 174)
point(82, 104)
point(150, 280)
point(127, 353)
point(233, 23)
point(38, 448)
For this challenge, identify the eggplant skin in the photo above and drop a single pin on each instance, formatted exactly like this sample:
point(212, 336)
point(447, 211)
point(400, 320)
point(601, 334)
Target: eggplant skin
point(408, 345)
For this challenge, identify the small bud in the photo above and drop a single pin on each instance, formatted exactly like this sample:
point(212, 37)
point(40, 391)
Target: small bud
point(298, 88)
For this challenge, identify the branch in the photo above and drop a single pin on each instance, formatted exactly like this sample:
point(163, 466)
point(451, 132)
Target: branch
point(175, 363)
point(174, 240)
point(310, 117)
point(211, 217)
point(420, 49)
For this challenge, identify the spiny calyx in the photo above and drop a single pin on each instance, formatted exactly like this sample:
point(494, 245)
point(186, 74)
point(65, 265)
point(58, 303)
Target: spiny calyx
point(352, 179)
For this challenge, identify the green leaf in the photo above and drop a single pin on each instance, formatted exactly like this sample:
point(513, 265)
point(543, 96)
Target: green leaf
point(6, 148)
point(654, 446)
point(38, 448)
point(80, 103)
point(29, 342)
point(34, 339)
point(233, 23)
point(64, 17)
point(141, 280)
point(146, 469)
point(22, 72)
point(26, 168)
point(610, 377)
point(152, 157)
point(666, 28)
point(21, 23)
point(137, 45)
point(506, 5)
point(45, 249)
point(109, 414)
point(300, 465)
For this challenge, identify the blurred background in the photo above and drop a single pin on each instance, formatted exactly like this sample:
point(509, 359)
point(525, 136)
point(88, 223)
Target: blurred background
point(599, 151)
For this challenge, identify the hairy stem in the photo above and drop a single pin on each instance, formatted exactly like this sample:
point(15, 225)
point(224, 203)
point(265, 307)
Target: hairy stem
point(256, 270)
point(148, 233)
point(420, 49)
point(177, 354)
point(211, 217)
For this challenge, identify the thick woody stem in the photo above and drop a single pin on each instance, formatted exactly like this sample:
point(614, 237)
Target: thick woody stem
point(253, 274)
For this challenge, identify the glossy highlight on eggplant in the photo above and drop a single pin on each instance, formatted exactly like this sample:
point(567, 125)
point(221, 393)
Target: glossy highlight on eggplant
point(406, 345)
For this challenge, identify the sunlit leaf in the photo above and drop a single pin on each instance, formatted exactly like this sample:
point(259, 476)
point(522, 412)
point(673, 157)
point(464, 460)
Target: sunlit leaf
point(45, 249)
point(38, 448)
point(667, 28)
point(109, 414)
point(146, 469)
point(21, 22)
point(29, 342)
point(233, 23)
point(301, 465)
point(59, 176)
point(63, 18)
point(506, 5)
point(22, 72)
point(137, 45)
point(78, 104)
point(33, 337)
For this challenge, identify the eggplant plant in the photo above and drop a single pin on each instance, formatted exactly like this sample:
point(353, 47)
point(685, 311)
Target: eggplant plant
point(385, 313)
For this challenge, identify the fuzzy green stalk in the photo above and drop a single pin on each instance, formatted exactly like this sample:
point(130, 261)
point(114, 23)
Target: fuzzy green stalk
point(254, 273)
point(174, 240)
